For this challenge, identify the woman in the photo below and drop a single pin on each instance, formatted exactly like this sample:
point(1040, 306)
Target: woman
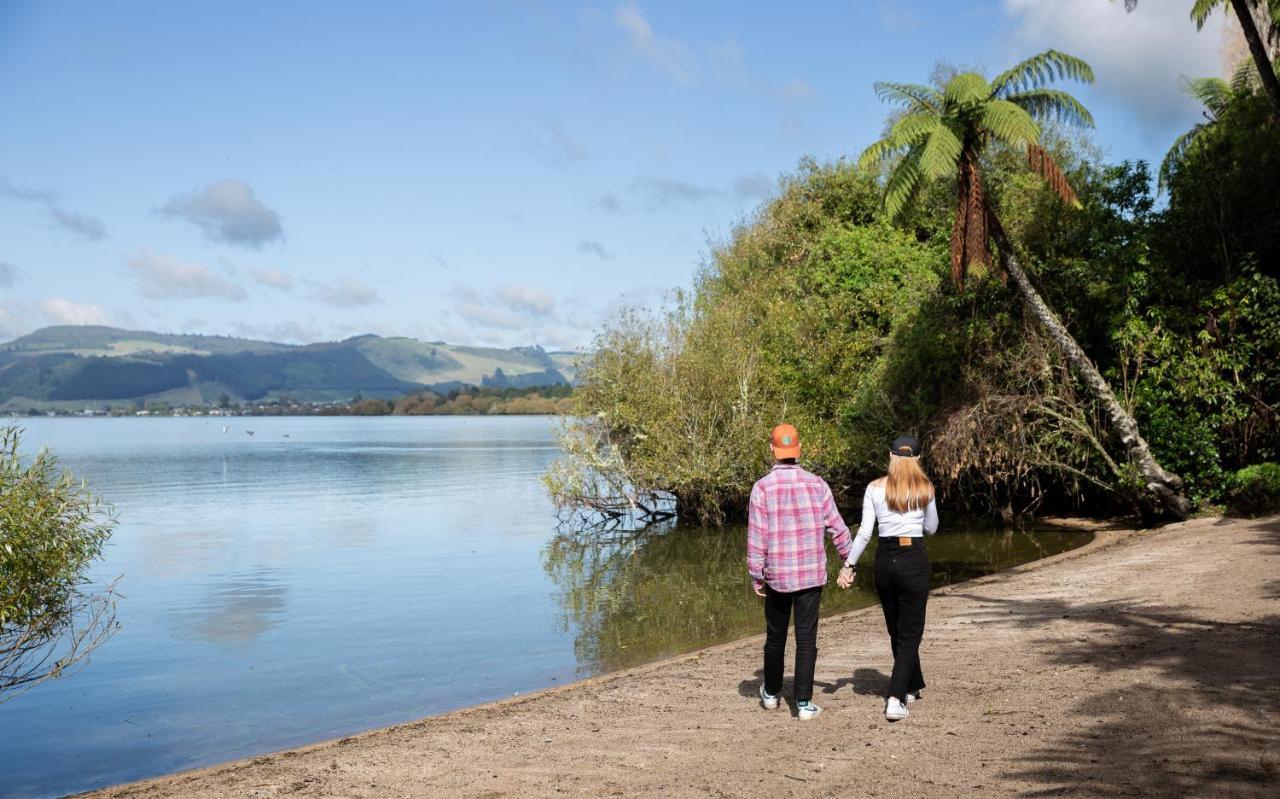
point(902, 504)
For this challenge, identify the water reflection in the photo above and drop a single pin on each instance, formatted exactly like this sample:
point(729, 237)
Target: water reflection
point(238, 610)
point(635, 597)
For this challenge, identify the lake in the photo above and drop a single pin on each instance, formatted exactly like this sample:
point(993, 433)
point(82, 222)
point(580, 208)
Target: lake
point(327, 575)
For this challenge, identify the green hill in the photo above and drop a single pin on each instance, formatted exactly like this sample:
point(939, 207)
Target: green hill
point(90, 366)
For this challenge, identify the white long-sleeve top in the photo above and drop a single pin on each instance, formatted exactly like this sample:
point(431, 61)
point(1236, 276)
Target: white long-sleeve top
point(875, 510)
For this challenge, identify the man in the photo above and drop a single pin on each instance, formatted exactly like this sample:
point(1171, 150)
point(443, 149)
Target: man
point(790, 512)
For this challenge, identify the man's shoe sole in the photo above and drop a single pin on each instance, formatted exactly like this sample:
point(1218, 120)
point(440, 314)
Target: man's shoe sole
point(806, 715)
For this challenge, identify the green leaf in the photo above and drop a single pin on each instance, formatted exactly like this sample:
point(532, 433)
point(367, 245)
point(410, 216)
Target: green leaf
point(967, 88)
point(1040, 69)
point(903, 182)
point(1202, 9)
point(1053, 104)
point(912, 95)
point(1009, 123)
point(940, 154)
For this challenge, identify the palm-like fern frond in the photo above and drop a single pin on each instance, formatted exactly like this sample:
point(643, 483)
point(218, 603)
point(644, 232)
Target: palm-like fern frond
point(940, 153)
point(903, 182)
point(1214, 93)
point(1201, 10)
point(877, 152)
point(967, 88)
point(1008, 122)
point(1245, 78)
point(1053, 104)
point(1040, 69)
point(1173, 158)
point(912, 95)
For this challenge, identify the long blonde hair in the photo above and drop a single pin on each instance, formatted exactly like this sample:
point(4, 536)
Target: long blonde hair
point(907, 487)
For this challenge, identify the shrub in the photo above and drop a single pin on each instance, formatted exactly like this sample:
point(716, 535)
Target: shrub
point(51, 530)
point(1255, 490)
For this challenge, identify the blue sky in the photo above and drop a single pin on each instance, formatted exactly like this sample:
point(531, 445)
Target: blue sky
point(490, 172)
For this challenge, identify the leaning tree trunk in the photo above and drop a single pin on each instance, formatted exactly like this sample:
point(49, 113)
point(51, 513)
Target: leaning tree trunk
point(1164, 489)
point(1253, 37)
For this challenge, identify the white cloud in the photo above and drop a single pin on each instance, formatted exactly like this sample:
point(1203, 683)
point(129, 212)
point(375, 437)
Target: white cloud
point(345, 292)
point(526, 299)
point(84, 225)
point(228, 212)
point(1138, 57)
point(8, 275)
point(61, 311)
point(161, 277)
point(667, 54)
point(272, 278)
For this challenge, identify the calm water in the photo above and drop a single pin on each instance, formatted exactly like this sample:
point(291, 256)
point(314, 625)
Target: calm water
point(329, 575)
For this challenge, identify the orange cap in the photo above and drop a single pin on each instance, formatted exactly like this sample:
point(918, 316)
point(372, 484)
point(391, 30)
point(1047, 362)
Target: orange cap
point(785, 441)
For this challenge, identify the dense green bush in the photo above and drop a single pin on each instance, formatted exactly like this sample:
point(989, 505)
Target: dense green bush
point(1256, 489)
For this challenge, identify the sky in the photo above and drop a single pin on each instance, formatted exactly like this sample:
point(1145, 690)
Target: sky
point(493, 172)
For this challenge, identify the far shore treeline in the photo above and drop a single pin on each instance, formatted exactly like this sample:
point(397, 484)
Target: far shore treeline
point(825, 310)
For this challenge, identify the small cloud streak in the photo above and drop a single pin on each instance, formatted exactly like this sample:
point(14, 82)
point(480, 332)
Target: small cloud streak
point(593, 248)
point(669, 55)
point(272, 278)
point(754, 186)
point(798, 90)
point(28, 194)
point(345, 292)
point(89, 227)
point(556, 148)
point(526, 299)
point(655, 193)
point(229, 213)
point(60, 311)
point(163, 278)
point(8, 275)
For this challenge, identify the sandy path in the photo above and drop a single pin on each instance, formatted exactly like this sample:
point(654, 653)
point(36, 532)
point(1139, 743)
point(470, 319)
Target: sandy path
point(1147, 665)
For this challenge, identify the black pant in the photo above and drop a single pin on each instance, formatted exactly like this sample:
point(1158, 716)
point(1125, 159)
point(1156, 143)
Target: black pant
point(902, 581)
point(777, 615)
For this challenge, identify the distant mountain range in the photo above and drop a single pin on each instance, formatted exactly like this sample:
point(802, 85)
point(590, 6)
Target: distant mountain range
point(92, 366)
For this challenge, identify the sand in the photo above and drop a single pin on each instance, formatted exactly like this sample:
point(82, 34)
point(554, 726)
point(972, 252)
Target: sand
point(1143, 664)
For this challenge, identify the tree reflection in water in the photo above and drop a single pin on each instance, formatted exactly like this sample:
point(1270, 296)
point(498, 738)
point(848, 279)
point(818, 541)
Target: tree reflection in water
point(633, 596)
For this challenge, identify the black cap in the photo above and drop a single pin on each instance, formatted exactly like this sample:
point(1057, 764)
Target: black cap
point(906, 446)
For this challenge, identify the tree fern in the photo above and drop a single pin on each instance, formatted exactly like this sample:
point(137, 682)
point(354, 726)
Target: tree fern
point(1053, 104)
point(1173, 158)
point(903, 182)
point(912, 95)
point(1039, 70)
point(1010, 123)
point(967, 88)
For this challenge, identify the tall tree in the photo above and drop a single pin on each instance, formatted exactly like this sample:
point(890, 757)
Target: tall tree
point(942, 136)
point(1254, 36)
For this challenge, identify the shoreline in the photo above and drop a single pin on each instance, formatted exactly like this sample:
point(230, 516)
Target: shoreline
point(526, 758)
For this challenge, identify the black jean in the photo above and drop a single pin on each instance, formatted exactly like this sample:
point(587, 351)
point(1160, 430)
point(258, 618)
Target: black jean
point(778, 607)
point(902, 581)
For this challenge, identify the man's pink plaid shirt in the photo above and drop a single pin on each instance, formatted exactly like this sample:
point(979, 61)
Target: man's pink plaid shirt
point(791, 511)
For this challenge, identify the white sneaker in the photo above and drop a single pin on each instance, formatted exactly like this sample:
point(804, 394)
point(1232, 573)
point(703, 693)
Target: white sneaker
point(769, 702)
point(807, 710)
point(912, 697)
point(895, 710)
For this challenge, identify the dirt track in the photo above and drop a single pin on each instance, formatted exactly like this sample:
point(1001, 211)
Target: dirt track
point(1147, 665)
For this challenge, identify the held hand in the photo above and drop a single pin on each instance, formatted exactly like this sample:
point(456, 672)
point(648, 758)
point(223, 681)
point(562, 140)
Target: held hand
point(758, 588)
point(846, 577)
